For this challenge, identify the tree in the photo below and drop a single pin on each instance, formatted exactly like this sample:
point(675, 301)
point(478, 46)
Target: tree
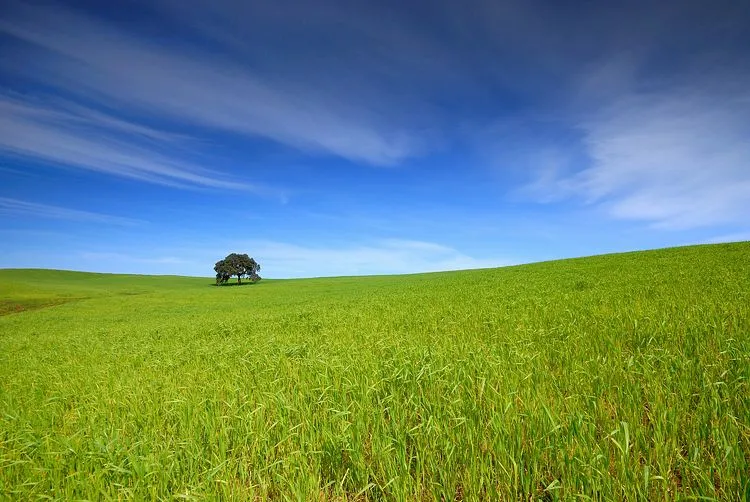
point(240, 265)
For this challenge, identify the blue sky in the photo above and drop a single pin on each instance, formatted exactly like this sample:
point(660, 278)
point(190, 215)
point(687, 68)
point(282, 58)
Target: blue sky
point(339, 138)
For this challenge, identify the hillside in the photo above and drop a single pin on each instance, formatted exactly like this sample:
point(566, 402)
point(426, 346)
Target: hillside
point(617, 376)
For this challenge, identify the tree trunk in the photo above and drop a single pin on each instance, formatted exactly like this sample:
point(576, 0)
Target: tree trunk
point(239, 279)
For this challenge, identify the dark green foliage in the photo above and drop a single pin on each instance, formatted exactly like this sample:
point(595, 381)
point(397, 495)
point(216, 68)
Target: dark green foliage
point(237, 264)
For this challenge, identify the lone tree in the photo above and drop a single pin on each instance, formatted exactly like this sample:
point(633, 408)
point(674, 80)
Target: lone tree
point(240, 265)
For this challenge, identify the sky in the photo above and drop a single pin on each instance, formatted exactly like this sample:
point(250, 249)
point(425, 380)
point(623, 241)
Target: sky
point(346, 137)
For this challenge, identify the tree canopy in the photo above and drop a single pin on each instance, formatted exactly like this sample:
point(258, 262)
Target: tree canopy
point(237, 264)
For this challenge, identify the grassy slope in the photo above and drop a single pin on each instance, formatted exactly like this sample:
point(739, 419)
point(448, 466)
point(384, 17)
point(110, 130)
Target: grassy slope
point(30, 289)
point(619, 376)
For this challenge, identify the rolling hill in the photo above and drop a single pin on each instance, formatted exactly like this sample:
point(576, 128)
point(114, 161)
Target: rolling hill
point(619, 376)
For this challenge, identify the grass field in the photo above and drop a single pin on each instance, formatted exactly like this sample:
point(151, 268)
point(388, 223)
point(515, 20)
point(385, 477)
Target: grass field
point(612, 377)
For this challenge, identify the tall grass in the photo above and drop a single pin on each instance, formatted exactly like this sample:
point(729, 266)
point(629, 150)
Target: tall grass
point(612, 377)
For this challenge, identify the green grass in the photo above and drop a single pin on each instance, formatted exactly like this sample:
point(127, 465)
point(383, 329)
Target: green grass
point(611, 378)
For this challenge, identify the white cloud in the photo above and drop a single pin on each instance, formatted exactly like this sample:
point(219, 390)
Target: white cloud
point(676, 159)
point(70, 135)
point(279, 260)
point(64, 112)
point(24, 208)
point(121, 258)
point(96, 61)
point(389, 256)
point(286, 260)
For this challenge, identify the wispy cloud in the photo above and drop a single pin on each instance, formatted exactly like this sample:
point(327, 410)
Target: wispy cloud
point(644, 125)
point(128, 259)
point(388, 256)
point(10, 206)
point(65, 112)
point(676, 157)
point(70, 135)
point(278, 259)
point(195, 88)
